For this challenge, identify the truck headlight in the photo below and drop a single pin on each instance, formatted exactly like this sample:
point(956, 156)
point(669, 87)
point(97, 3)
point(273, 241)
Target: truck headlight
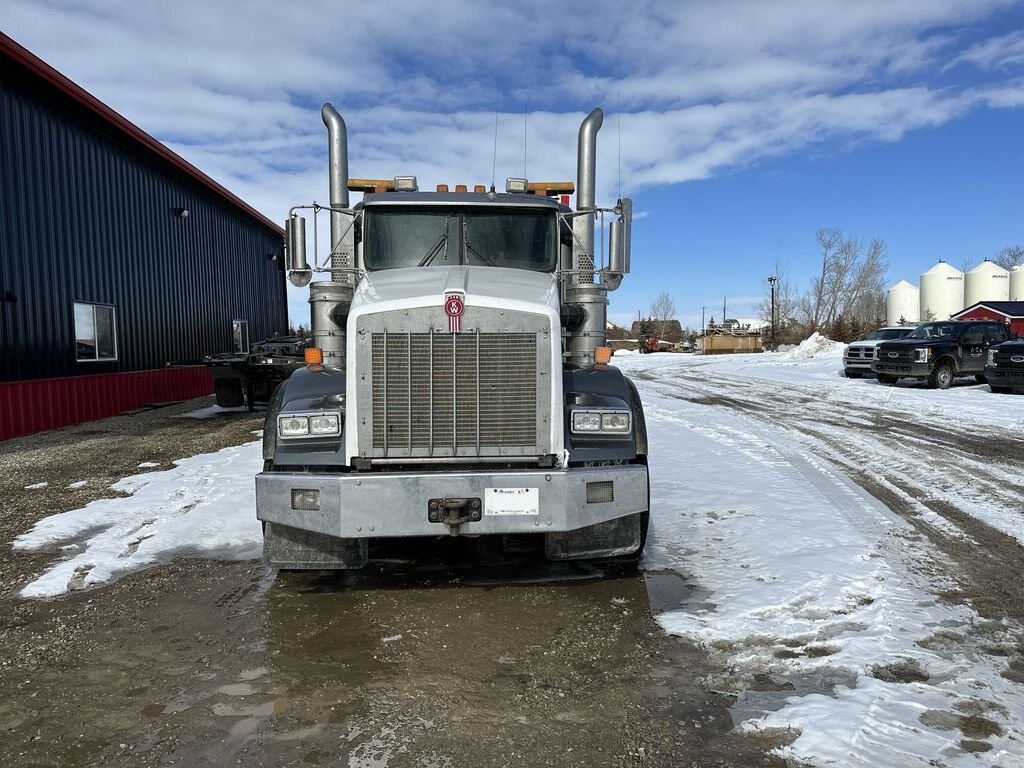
point(586, 421)
point(991, 357)
point(293, 426)
point(604, 420)
point(316, 424)
point(922, 354)
point(615, 422)
point(325, 424)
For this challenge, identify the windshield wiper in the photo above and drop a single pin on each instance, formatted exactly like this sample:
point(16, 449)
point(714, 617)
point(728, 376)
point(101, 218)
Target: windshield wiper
point(470, 249)
point(441, 244)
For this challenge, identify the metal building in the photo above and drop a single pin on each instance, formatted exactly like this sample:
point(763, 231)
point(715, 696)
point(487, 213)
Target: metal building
point(117, 258)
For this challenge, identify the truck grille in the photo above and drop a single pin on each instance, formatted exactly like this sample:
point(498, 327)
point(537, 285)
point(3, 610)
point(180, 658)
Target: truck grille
point(465, 394)
point(1005, 359)
point(903, 356)
point(860, 353)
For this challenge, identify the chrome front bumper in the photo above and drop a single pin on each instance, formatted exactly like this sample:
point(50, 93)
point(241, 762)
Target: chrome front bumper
point(372, 504)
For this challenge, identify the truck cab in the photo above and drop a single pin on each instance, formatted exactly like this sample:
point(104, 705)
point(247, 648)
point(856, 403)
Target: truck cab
point(460, 384)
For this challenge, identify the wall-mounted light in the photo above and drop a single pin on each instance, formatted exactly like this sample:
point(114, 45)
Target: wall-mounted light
point(181, 213)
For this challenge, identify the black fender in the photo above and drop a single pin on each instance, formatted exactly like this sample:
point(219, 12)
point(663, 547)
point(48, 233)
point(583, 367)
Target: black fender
point(313, 388)
point(602, 387)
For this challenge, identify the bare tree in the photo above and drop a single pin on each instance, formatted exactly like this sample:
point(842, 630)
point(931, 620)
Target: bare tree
point(663, 309)
point(850, 284)
point(1009, 257)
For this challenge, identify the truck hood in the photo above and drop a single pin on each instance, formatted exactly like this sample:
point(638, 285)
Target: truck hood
point(513, 289)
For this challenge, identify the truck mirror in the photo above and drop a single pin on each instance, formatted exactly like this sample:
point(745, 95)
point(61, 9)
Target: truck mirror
point(626, 206)
point(615, 247)
point(299, 273)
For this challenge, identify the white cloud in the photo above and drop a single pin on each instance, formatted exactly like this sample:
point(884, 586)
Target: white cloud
point(704, 86)
point(997, 52)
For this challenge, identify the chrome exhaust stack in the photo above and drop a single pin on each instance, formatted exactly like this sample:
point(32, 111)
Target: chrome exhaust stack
point(581, 289)
point(330, 300)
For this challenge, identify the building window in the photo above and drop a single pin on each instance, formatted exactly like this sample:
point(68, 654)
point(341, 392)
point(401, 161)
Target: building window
point(240, 330)
point(95, 332)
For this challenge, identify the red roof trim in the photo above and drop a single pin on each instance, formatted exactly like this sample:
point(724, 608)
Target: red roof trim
point(37, 66)
point(988, 306)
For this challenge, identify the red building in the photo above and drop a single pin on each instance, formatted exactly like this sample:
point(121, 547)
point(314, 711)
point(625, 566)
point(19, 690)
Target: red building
point(1010, 312)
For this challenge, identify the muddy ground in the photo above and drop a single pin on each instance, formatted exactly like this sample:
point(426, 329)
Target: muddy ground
point(462, 660)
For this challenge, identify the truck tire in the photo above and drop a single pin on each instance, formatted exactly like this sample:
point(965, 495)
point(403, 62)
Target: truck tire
point(229, 393)
point(941, 376)
point(980, 378)
point(885, 378)
point(852, 374)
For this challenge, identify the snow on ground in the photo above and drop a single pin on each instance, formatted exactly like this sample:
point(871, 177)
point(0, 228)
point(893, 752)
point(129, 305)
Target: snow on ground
point(210, 411)
point(799, 580)
point(803, 581)
point(204, 506)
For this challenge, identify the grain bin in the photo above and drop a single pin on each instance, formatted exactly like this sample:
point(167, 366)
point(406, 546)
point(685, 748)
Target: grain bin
point(1017, 283)
point(902, 302)
point(986, 282)
point(942, 292)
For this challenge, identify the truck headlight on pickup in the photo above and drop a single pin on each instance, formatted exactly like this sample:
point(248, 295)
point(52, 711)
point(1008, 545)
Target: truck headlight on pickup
point(606, 420)
point(296, 425)
point(991, 360)
point(922, 354)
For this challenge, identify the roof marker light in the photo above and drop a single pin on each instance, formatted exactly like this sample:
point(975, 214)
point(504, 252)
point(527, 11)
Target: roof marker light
point(406, 184)
point(514, 185)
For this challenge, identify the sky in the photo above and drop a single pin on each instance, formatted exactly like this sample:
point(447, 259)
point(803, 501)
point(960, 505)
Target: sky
point(738, 127)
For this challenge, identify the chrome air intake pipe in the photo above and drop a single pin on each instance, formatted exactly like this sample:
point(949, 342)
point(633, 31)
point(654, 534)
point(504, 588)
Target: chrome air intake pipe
point(330, 301)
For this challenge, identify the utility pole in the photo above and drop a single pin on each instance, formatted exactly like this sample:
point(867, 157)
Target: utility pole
point(771, 282)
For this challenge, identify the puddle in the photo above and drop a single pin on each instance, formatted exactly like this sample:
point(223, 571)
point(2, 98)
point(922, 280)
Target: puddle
point(769, 693)
point(670, 591)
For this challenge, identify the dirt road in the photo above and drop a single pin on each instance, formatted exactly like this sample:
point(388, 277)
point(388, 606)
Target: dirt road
point(459, 661)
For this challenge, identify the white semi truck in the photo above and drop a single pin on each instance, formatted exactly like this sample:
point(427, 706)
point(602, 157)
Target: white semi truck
point(459, 383)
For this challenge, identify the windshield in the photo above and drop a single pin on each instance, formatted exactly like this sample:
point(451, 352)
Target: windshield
point(936, 331)
point(887, 334)
point(404, 236)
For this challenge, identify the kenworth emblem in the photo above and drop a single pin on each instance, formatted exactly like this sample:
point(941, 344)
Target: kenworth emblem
point(454, 306)
point(894, 354)
point(1017, 359)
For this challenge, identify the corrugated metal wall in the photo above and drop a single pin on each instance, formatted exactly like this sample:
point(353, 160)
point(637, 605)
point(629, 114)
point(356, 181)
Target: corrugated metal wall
point(86, 216)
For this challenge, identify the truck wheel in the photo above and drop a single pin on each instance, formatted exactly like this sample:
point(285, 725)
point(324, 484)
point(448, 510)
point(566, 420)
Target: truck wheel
point(229, 393)
point(980, 378)
point(852, 374)
point(884, 378)
point(941, 377)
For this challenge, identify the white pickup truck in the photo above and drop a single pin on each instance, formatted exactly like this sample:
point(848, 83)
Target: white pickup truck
point(859, 355)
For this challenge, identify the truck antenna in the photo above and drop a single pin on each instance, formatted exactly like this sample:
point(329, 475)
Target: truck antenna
point(525, 115)
point(494, 157)
point(618, 118)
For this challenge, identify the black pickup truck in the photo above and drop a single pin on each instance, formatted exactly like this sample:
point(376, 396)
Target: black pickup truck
point(939, 352)
point(1005, 367)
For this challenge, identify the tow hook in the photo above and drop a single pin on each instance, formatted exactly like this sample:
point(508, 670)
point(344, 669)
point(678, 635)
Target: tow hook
point(453, 512)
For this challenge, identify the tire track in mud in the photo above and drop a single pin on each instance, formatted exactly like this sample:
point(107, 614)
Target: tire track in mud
point(986, 563)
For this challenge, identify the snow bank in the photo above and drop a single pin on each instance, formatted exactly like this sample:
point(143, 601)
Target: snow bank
point(815, 347)
point(205, 506)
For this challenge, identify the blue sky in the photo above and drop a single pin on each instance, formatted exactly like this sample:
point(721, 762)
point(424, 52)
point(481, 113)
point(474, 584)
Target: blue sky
point(745, 125)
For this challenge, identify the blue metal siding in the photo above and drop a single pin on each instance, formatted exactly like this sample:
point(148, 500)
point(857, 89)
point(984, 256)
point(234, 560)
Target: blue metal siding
point(85, 216)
